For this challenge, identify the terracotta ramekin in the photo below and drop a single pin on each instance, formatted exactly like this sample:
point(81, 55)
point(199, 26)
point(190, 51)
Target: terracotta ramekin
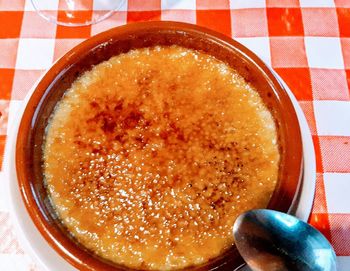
point(120, 40)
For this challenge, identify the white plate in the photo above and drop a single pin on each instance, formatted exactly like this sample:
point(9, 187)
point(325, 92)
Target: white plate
point(307, 190)
point(48, 259)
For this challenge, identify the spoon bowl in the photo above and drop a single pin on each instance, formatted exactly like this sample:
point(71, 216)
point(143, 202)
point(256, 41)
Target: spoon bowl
point(271, 240)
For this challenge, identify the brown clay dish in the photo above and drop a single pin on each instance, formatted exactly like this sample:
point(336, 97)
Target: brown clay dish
point(120, 40)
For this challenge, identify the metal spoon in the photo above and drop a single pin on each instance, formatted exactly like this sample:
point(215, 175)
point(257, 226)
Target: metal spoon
point(274, 241)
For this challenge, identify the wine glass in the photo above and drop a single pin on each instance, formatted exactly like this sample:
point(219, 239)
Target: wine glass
point(76, 12)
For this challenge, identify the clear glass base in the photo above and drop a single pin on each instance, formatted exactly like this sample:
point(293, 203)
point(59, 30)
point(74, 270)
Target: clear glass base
point(76, 12)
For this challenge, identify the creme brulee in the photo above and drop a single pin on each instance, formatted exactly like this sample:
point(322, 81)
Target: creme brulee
point(151, 156)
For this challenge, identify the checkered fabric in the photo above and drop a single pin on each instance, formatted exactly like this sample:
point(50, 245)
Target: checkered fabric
point(307, 42)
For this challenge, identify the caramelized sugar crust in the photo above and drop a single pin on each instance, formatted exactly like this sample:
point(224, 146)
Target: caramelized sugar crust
point(151, 156)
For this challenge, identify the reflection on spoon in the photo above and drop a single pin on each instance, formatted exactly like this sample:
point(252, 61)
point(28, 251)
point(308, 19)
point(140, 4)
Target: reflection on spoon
point(274, 241)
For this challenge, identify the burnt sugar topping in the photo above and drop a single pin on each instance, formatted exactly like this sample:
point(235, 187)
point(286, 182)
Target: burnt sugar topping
point(151, 156)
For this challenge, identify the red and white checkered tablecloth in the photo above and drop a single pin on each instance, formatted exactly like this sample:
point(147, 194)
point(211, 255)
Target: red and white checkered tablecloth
point(307, 42)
